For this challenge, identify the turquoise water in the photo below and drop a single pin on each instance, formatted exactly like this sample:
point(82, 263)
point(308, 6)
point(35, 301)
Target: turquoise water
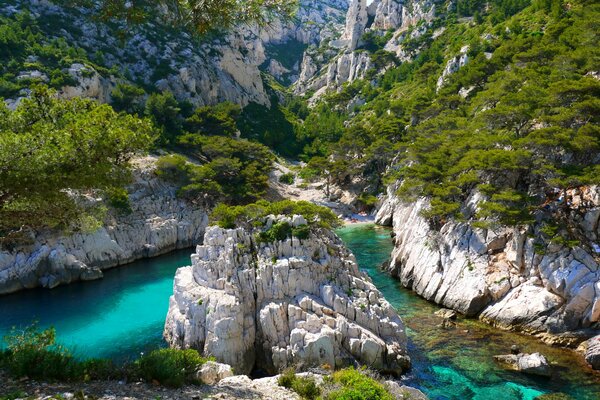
point(116, 317)
point(457, 363)
point(123, 315)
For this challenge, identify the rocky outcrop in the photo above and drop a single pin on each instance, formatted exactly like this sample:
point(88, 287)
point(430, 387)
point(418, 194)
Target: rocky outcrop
point(503, 275)
point(356, 22)
point(453, 65)
point(341, 60)
point(159, 222)
point(532, 364)
point(273, 305)
point(224, 68)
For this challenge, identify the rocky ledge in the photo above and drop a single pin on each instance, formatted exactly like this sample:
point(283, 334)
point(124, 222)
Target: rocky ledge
point(505, 276)
point(267, 306)
point(159, 222)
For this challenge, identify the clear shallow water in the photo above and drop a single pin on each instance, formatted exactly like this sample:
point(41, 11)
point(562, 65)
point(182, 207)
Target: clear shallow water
point(116, 317)
point(457, 363)
point(123, 315)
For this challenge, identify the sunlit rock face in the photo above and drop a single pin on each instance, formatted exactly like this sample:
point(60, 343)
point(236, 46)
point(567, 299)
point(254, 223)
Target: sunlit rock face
point(502, 275)
point(291, 302)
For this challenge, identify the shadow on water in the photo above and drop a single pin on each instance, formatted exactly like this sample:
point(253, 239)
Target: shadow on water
point(457, 363)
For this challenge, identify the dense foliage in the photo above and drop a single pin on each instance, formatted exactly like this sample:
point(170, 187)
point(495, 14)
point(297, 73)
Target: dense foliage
point(198, 15)
point(34, 353)
point(345, 384)
point(528, 125)
point(253, 214)
point(53, 153)
point(517, 122)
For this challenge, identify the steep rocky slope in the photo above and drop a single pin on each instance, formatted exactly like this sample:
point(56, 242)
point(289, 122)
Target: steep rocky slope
point(273, 305)
point(343, 60)
point(159, 222)
point(504, 275)
point(225, 67)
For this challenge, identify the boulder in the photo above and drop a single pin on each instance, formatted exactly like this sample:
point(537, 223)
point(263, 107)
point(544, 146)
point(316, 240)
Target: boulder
point(212, 372)
point(446, 313)
point(532, 364)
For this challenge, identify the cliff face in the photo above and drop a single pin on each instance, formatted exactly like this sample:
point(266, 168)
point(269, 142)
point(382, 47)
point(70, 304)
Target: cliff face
point(159, 223)
point(501, 275)
point(274, 305)
point(342, 60)
point(203, 71)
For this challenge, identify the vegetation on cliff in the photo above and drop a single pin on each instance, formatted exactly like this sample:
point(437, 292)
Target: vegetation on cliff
point(517, 123)
point(54, 154)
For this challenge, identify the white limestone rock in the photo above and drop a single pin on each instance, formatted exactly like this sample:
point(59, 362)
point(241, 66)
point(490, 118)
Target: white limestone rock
point(498, 275)
point(212, 372)
point(159, 222)
point(280, 304)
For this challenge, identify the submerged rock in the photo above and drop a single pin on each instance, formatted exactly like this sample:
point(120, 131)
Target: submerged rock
point(533, 364)
point(446, 313)
point(273, 305)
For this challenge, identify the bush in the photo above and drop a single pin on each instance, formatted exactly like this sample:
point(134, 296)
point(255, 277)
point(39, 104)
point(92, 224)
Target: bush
point(305, 387)
point(288, 178)
point(118, 198)
point(229, 217)
point(302, 232)
point(169, 367)
point(35, 354)
point(279, 231)
point(357, 386)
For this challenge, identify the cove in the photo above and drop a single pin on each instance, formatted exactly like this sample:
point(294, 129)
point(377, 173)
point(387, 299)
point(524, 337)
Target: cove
point(457, 363)
point(123, 314)
point(116, 317)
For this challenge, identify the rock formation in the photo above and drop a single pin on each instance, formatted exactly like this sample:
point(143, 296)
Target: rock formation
point(225, 68)
point(342, 60)
point(273, 305)
point(501, 275)
point(159, 223)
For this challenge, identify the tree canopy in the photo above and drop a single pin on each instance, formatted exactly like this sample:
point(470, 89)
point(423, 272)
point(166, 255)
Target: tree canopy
point(200, 16)
point(54, 152)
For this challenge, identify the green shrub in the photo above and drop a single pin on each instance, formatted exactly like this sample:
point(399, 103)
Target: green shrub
point(279, 231)
point(169, 367)
point(357, 386)
point(287, 378)
point(288, 178)
point(302, 232)
point(229, 217)
point(35, 354)
point(118, 198)
point(368, 200)
point(305, 387)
